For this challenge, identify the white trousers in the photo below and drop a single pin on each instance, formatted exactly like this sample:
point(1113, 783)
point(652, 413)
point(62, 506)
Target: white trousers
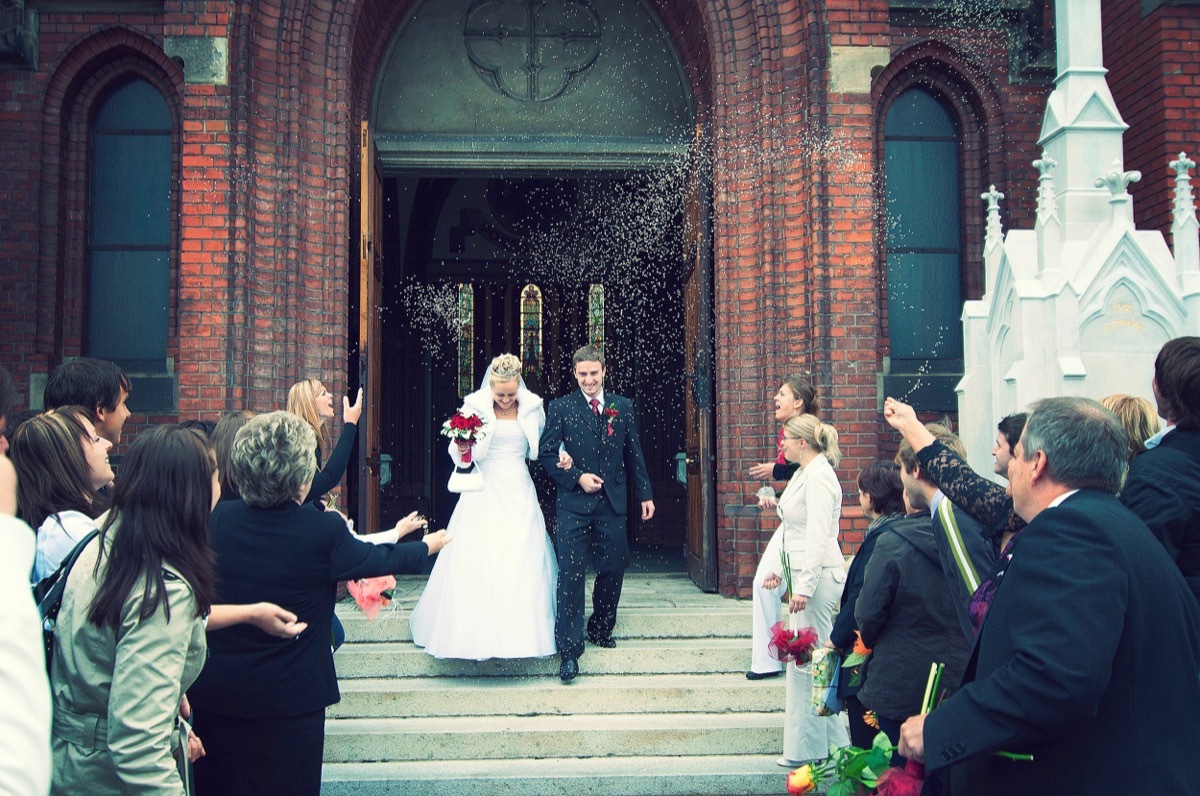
point(766, 606)
point(807, 736)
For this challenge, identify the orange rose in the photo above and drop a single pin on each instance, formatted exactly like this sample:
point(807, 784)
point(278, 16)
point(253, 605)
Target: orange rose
point(859, 647)
point(800, 781)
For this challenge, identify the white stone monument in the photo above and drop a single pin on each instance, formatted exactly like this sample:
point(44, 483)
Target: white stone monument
point(1080, 304)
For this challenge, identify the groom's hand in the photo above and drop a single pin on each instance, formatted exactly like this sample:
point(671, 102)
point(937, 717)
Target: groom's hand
point(647, 509)
point(591, 483)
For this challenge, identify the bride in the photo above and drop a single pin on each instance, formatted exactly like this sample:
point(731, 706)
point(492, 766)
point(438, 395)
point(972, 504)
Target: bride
point(492, 593)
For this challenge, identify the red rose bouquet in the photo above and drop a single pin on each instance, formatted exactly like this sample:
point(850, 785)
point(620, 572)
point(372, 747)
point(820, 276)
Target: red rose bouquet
point(464, 427)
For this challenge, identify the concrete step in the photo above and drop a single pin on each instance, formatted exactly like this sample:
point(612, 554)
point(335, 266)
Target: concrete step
point(724, 619)
point(630, 656)
point(722, 775)
point(576, 736)
point(523, 696)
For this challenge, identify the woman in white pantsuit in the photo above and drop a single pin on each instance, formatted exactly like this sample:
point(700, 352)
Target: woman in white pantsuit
point(810, 508)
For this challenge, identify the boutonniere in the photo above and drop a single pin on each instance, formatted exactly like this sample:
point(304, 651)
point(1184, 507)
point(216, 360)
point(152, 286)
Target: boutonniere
point(610, 414)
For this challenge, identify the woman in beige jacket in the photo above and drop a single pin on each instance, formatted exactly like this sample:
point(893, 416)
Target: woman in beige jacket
point(130, 634)
point(810, 508)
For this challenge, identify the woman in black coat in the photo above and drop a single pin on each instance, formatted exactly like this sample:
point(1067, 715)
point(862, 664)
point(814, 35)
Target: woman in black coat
point(260, 702)
point(881, 496)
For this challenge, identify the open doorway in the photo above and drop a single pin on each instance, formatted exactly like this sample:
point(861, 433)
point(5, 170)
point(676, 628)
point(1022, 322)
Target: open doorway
point(476, 265)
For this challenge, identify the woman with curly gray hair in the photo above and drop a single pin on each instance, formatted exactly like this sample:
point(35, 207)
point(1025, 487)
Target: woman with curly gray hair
point(263, 703)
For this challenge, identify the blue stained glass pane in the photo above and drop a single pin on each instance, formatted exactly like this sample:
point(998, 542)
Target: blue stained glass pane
point(137, 105)
point(127, 302)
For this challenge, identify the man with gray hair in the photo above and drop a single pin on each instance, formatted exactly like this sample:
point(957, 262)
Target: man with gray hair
point(1088, 655)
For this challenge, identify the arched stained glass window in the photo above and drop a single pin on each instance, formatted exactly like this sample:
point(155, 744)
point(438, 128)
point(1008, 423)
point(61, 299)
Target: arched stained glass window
point(596, 316)
point(129, 227)
point(924, 250)
point(466, 340)
point(531, 331)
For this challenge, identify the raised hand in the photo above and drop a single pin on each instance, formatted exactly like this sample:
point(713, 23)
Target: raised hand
point(762, 472)
point(352, 412)
point(437, 540)
point(903, 418)
point(409, 524)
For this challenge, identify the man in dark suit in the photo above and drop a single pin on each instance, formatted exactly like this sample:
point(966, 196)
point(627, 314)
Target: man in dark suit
point(1088, 653)
point(600, 433)
point(1163, 488)
point(965, 553)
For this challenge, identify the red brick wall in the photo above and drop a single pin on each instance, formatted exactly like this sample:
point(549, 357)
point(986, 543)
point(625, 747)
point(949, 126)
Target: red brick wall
point(268, 168)
point(1156, 86)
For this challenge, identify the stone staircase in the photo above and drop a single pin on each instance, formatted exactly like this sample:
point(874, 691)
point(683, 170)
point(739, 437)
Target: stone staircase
point(668, 711)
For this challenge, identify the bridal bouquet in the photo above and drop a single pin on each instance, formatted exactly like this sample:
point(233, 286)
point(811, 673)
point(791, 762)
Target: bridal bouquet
point(464, 427)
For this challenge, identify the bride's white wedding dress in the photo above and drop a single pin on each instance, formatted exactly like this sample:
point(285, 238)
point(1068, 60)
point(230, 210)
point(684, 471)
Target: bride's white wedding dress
point(492, 590)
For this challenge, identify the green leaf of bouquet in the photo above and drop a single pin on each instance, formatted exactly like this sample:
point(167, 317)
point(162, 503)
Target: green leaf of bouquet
point(877, 759)
point(843, 788)
point(853, 659)
point(881, 741)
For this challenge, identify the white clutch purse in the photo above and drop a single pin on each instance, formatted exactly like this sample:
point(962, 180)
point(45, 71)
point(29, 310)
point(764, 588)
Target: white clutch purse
point(466, 479)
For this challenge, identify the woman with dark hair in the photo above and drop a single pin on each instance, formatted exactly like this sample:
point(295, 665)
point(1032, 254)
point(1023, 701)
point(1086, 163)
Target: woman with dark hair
point(794, 397)
point(61, 465)
point(881, 496)
point(260, 706)
point(222, 444)
point(130, 635)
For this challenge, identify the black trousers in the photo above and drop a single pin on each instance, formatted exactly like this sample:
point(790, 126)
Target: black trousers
point(255, 757)
point(602, 537)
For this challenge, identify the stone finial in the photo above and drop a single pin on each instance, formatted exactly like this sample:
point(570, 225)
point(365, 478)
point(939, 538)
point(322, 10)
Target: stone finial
point(994, 234)
point(1047, 204)
point(1118, 180)
point(1185, 207)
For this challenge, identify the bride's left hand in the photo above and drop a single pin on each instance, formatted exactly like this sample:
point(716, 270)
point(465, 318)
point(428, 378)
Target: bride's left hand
point(565, 462)
point(410, 523)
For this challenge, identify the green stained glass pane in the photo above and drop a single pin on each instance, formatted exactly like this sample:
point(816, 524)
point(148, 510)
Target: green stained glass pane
point(596, 315)
point(531, 331)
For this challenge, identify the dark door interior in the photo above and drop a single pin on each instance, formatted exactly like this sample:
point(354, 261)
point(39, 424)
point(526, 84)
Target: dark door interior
point(475, 266)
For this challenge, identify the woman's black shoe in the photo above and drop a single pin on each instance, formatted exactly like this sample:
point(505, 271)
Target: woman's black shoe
point(763, 675)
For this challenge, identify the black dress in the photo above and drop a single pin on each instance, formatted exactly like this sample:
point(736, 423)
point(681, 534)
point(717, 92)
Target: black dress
point(259, 705)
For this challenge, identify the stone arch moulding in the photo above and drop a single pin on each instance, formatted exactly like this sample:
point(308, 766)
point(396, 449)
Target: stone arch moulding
point(452, 93)
point(81, 78)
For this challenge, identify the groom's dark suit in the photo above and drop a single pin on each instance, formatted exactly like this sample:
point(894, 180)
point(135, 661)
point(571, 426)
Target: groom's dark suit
point(594, 522)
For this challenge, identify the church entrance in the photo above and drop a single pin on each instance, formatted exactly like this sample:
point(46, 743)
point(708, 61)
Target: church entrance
point(475, 266)
point(533, 179)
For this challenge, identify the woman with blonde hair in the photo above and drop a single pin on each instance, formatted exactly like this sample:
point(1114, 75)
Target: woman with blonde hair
point(1138, 417)
point(312, 403)
point(809, 509)
point(502, 560)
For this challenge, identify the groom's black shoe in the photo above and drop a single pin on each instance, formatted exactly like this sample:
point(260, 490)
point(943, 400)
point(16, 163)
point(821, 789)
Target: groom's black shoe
point(568, 669)
point(601, 641)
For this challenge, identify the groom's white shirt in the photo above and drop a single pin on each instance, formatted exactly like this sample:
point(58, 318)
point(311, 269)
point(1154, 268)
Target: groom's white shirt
point(588, 401)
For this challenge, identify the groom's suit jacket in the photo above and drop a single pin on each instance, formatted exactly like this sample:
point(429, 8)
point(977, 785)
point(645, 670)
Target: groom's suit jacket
point(615, 457)
point(1087, 660)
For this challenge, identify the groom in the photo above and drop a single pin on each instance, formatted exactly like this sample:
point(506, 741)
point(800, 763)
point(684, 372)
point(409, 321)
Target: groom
point(600, 433)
